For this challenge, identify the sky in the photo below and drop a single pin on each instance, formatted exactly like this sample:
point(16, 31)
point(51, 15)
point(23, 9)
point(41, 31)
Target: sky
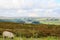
point(30, 8)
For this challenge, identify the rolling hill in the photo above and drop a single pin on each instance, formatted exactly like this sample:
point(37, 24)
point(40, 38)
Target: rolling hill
point(32, 20)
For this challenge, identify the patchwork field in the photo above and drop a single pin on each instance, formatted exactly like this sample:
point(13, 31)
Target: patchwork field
point(51, 22)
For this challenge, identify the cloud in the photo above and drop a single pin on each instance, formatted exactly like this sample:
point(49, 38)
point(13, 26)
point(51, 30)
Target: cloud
point(11, 4)
point(30, 8)
point(51, 13)
point(33, 15)
point(7, 4)
point(47, 4)
point(14, 4)
point(21, 11)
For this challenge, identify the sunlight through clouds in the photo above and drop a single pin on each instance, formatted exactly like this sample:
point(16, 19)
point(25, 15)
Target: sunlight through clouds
point(32, 15)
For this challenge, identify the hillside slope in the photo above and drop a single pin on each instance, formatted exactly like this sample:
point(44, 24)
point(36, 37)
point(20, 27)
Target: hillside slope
point(30, 29)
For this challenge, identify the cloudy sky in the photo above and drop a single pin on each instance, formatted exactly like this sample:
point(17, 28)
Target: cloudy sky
point(30, 8)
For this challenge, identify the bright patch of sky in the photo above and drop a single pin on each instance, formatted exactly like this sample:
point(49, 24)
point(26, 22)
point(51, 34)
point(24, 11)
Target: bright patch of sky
point(30, 8)
point(58, 1)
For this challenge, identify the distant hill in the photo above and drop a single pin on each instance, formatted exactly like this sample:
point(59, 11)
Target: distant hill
point(32, 20)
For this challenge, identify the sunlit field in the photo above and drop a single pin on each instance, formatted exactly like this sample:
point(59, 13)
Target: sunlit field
point(43, 38)
point(51, 22)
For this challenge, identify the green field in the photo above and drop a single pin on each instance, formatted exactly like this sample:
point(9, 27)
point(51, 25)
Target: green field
point(44, 38)
point(51, 22)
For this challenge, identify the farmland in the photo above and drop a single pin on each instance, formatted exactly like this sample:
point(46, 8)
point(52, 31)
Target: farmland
point(33, 20)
